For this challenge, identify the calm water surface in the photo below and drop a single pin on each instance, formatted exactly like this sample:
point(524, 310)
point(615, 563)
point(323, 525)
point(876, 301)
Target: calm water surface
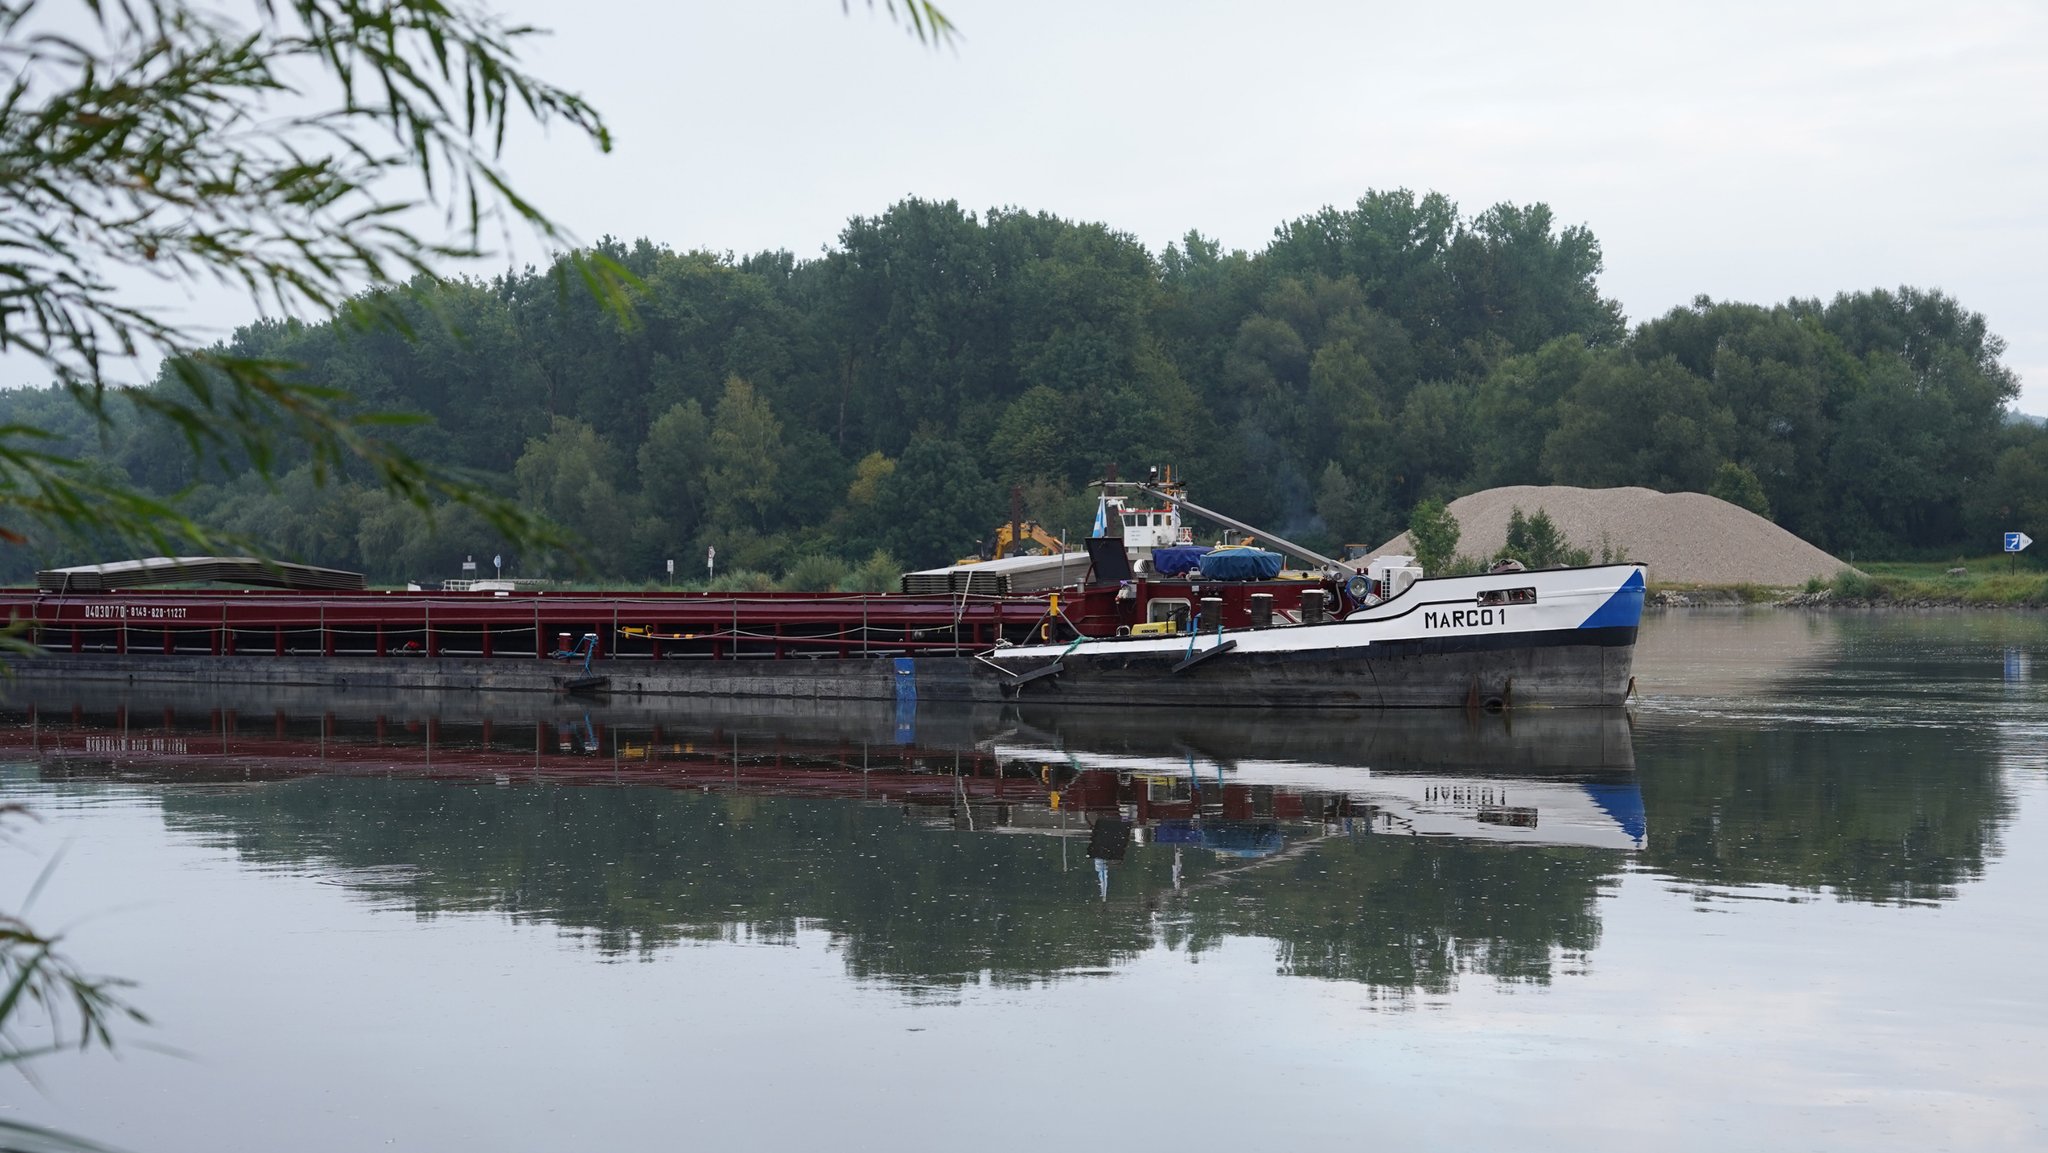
point(1797, 898)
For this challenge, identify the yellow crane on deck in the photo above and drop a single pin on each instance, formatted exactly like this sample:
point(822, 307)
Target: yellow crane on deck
point(1009, 537)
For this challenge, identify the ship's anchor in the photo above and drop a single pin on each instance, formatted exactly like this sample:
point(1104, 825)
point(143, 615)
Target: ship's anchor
point(1194, 659)
point(1053, 668)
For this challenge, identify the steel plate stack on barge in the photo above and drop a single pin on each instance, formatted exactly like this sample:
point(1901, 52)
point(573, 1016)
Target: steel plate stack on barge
point(1154, 621)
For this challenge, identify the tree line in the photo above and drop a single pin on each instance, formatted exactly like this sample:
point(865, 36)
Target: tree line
point(873, 406)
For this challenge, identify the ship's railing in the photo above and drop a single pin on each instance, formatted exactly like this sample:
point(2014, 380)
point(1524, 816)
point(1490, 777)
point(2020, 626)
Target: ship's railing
point(535, 625)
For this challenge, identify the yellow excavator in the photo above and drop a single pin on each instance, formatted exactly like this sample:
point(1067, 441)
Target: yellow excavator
point(1014, 538)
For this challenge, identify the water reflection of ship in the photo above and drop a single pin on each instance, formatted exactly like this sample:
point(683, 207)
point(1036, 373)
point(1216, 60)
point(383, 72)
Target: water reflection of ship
point(1540, 778)
point(1220, 802)
point(1225, 785)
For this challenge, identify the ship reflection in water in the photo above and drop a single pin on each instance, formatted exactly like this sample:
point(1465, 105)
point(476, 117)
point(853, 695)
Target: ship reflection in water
point(936, 846)
point(1564, 778)
point(1247, 793)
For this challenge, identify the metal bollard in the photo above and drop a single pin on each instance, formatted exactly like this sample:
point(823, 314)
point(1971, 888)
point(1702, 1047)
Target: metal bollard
point(1312, 606)
point(1262, 610)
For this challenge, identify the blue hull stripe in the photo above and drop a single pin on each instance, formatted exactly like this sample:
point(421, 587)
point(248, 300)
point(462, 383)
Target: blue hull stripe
point(1622, 610)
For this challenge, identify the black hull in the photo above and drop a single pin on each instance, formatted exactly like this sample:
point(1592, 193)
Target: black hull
point(1581, 668)
point(1547, 743)
point(1567, 669)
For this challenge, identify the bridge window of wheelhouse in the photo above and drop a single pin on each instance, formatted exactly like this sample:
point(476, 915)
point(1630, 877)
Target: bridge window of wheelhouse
point(1493, 598)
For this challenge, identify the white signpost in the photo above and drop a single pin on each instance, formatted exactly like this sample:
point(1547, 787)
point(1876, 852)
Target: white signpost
point(469, 564)
point(711, 562)
point(2017, 541)
point(498, 563)
point(671, 570)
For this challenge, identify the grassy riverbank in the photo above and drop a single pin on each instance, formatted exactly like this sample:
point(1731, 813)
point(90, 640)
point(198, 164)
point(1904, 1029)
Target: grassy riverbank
point(1994, 581)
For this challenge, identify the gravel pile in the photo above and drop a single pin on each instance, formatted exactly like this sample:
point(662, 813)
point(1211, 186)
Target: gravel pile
point(1684, 537)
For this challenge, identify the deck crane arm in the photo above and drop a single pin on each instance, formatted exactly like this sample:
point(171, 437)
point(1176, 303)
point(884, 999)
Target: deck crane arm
point(1285, 546)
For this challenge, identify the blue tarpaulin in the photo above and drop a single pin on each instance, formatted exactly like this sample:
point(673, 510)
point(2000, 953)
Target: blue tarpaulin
point(1177, 559)
point(1240, 564)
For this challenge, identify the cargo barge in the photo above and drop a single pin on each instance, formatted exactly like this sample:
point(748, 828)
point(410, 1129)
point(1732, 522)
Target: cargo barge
point(1139, 628)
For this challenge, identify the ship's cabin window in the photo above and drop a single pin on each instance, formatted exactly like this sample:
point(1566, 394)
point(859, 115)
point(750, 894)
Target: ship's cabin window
point(1493, 597)
point(1169, 609)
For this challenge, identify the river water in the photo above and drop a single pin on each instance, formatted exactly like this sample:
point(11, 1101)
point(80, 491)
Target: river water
point(1795, 898)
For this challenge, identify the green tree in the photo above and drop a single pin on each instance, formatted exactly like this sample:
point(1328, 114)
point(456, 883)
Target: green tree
point(1526, 283)
point(1352, 512)
point(878, 574)
point(570, 476)
point(673, 460)
point(1782, 375)
point(1536, 541)
point(1654, 425)
point(1433, 532)
point(1044, 434)
point(177, 140)
point(1516, 407)
point(1740, 487)
point(1435, 444)
point(1346, 422)
point(2015, 497)
point(816, 573)
point(874, 468)
point(397, 541)
point(744, 460)
point(1893, 468)
point(936, 502)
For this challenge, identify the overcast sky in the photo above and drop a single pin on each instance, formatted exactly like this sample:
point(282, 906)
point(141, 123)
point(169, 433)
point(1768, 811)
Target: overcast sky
point(1745, 151)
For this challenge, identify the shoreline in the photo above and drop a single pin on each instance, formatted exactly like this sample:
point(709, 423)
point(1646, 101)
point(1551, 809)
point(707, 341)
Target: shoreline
point(1756, 596)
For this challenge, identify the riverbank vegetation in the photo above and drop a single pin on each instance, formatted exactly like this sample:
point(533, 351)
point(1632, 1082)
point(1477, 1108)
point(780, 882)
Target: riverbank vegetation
point(1990, 581)
point(889, 393)
point(1986, 582)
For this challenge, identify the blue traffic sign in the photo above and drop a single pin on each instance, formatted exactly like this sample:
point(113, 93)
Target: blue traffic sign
point(2017, 541)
